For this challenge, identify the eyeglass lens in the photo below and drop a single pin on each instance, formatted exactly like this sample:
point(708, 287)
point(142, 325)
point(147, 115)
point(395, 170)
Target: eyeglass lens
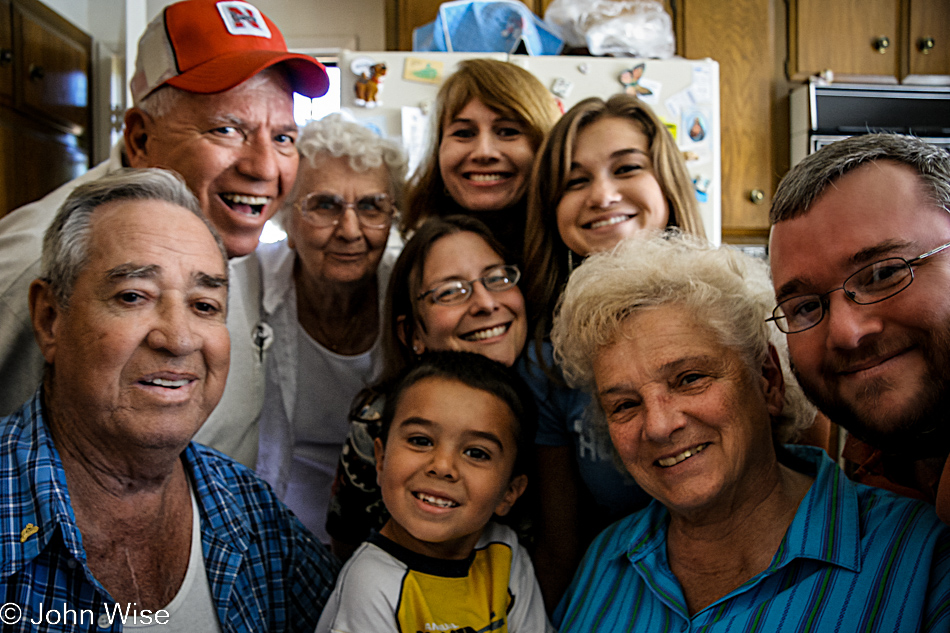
point(326, 209)
point(871, 284)
point(456, 291)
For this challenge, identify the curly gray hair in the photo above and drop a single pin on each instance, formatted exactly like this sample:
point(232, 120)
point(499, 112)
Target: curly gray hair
point(336, 137)
point(732, 291)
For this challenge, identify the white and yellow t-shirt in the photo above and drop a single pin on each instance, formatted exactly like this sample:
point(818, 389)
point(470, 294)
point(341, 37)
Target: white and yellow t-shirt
point(387, 588)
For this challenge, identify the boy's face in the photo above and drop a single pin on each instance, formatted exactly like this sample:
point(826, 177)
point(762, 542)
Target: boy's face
point(447, 467)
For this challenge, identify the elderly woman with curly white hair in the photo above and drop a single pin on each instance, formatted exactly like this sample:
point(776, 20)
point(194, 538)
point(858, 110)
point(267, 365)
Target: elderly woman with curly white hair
point(744, 533)
point(322, 294)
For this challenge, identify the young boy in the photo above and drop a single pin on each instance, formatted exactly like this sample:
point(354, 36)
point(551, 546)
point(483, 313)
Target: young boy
point(453, 427)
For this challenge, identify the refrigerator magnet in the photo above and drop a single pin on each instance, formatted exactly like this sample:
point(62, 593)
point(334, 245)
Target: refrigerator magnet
point(561, 87)
point(369, 81)
point(630, 80)
point(424, 71)
point(696, 126)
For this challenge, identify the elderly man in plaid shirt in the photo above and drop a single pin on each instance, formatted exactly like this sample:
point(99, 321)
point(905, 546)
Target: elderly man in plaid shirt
point(109, 514)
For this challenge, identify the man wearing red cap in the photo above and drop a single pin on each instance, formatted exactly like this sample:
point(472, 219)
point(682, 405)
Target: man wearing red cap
point(213, 101)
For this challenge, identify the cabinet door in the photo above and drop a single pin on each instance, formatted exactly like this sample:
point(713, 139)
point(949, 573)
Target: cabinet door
point(742, 39)
point(928, 48)
point(34, 159)
point(53, 68)
point(845, 36)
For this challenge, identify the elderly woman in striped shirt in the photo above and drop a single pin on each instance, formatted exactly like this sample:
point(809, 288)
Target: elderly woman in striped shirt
point(745, 533)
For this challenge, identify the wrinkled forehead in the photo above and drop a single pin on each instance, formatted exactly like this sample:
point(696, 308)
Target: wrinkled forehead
point(154, 232)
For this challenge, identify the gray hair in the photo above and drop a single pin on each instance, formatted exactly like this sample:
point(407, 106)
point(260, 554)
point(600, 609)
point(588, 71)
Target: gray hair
point(808, 179)
point(731, 291)
point(336, 137)
point(162, 101)
point(66, 243)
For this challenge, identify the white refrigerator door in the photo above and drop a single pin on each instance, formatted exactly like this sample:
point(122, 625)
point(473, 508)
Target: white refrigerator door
point(684, 93)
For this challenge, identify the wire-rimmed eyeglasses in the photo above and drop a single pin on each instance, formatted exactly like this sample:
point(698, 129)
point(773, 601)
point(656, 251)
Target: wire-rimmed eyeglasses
point(871, 284)
point(325, 210)
point(454, 291)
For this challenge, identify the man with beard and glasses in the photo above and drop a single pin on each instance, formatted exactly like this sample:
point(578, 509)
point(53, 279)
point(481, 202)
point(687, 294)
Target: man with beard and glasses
point(860, 255)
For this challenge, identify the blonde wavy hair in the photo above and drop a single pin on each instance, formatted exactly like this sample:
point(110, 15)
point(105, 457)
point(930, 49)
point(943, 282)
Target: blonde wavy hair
point(731, 291)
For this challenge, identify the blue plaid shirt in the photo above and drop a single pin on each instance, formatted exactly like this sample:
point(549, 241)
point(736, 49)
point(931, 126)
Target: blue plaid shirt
point(266, 571)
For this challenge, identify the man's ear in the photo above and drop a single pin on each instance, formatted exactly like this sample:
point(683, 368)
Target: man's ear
point(138, 127)
point(773, 382)
point(516, 488)
point(45, 313)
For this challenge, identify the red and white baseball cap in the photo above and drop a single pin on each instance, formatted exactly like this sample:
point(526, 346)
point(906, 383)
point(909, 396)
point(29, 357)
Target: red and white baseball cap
point(206, 46)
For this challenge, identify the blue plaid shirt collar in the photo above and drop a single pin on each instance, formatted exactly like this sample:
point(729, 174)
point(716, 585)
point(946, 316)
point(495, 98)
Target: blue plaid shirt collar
point(30, 462)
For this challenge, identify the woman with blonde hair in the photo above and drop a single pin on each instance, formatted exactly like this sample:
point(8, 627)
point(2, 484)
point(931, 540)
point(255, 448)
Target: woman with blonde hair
point(745, 533)
point(490, 118)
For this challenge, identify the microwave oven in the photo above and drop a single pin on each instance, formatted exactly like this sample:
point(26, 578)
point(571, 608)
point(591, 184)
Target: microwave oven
point(821, 113)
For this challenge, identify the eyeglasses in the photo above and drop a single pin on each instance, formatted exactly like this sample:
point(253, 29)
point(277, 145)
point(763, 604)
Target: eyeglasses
point(325, 210)
point(871, 284)
point(455, 291)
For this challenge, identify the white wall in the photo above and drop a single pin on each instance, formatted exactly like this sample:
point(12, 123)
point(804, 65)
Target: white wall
point(304, 23)
point(319, 23)
point(76, 11)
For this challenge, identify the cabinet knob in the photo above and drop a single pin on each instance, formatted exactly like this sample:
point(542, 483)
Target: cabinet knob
point(6, 56)
point(881, 44)
point(757, 196)
point(36, 72)
point(925, 44)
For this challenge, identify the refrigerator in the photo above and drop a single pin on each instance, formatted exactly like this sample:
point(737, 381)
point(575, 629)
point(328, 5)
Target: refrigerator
point(683, 93)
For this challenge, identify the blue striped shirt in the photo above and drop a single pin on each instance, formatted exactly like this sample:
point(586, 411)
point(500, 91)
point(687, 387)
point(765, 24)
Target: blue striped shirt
point(266, 571)
point(854, 558)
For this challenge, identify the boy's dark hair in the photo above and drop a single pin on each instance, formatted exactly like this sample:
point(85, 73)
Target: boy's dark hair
point(478, 372)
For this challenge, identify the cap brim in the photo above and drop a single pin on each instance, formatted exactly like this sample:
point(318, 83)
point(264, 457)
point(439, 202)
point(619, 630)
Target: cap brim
point(307, 75)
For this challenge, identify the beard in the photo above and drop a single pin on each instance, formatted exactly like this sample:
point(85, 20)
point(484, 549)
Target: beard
point(920, 428)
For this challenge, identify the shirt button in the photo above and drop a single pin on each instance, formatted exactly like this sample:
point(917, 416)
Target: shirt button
point(71, 563)
point(103, 621)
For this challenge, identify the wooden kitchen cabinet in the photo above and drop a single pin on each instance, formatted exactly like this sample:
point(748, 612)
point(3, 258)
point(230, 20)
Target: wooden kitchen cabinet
point(44, 102)
point(869, 40)
point(52, 67)
point(928, 45)
point(741, 36)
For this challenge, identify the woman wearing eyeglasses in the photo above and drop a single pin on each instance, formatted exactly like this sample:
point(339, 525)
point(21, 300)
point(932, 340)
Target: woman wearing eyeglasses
point(322, 297)
point(452, 288)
